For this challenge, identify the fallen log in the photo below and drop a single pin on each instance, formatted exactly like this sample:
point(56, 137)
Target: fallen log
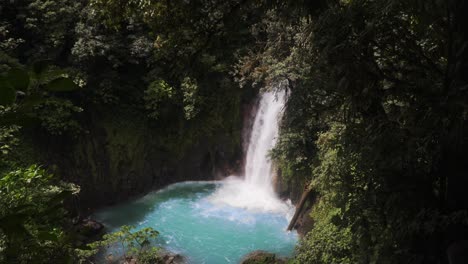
point(300, 206)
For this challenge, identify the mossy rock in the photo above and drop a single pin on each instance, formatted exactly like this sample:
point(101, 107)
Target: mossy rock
point(89, 229)
point(261, 257)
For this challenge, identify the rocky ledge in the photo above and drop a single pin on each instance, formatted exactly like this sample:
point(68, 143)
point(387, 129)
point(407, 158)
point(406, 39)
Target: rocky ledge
point(262, 257)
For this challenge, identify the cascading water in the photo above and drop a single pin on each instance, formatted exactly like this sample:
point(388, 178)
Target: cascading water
point(219, 222)
point(255, 191)
point(262, 140)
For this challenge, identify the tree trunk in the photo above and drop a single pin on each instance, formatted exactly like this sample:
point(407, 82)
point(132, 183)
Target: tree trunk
point(299, 208)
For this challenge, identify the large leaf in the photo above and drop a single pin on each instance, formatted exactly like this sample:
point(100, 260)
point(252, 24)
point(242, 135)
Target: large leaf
point(19, 79)
point(7, 93)
point(61, 85)
point(39, 67)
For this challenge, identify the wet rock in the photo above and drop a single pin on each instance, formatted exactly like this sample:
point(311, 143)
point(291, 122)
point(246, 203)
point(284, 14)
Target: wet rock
point(88, 230)
point(172, 258)
point(262, 257)
point(164, 258)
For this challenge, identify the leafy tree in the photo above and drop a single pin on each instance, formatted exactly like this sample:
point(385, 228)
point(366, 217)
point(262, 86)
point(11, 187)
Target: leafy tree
point(37, 29)
point(367, 125)
point(375, 121)
point(158, 94)
point(131, 244)
point(189, 89)
point(32, 218)
point(38, 89)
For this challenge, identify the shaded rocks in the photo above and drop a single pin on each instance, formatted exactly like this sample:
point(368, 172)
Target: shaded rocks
point(86, 231)
point(92, 226)
point(262, 257)
point(165, 257)
point(174, 259)
point(305, 223)
point(168, 257)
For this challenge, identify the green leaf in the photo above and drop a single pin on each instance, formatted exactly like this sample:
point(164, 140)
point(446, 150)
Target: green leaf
point(19, 79)
point(7, 93)
point(39, 67)
point(61, 85)
point(44, 235)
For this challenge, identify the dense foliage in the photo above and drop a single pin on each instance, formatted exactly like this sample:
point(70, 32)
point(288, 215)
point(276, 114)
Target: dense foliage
point(32, 219)
point(134, 245)
point(71, 68)
point(375, 122)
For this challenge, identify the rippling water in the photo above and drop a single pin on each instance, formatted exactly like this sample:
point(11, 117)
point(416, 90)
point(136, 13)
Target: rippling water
point(191, 224)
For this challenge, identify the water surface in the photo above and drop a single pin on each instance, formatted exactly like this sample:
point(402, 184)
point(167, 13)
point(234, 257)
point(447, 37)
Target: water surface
point(191, 224)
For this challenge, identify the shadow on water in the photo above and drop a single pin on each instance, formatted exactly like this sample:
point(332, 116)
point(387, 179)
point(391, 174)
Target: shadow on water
point(135, 211)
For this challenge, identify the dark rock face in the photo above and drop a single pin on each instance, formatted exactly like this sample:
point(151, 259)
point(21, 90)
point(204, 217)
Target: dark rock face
point(91, 227)
point(119, 157)
point(293, 189)
point(305, 223)
point(262, 257)
point(288, 189)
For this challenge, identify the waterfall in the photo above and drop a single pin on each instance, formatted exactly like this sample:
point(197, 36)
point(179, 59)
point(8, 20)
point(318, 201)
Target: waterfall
point(262, 140)
point(255, 190)
point(220, 221)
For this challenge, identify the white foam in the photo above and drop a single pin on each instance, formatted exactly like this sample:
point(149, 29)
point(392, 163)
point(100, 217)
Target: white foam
point(255, 191)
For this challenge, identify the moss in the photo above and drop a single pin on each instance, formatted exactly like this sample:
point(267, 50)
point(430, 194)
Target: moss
point(261, 257)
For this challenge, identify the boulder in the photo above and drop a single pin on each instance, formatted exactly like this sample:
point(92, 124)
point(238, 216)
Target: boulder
point(172, 258)
point(88, 230)
point(262, 257)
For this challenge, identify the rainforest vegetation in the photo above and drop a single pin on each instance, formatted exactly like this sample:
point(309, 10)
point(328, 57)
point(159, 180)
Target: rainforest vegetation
point(101, 99)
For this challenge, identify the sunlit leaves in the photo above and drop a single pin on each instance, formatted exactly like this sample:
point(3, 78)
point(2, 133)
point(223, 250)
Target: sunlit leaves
point(128, 242)
point(158, 94)
point(57, 116)
point(191, 99)
point(31, 212)
point(37, 104)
